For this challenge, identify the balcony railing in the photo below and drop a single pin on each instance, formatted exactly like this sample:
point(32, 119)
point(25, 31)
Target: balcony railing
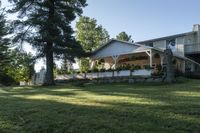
point(192, 48)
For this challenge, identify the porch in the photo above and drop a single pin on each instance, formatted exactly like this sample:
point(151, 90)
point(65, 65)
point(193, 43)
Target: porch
point(144, 60)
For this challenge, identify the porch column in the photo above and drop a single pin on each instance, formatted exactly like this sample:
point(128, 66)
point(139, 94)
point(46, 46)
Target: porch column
point(92, 63)
point(161, 59)
point(149, 53)
point(115, 58)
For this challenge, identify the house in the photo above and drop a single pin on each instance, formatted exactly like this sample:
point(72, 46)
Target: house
point(185, 48)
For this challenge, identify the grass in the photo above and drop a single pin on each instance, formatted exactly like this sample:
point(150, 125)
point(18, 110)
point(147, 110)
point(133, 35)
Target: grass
point(102, 108)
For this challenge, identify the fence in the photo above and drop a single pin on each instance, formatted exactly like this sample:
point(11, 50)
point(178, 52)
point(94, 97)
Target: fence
point(94, 75)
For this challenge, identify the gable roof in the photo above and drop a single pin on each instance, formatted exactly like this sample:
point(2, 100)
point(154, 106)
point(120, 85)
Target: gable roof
point(115, 40)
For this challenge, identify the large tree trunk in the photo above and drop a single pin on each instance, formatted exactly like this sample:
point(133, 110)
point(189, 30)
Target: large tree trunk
point(49, 78)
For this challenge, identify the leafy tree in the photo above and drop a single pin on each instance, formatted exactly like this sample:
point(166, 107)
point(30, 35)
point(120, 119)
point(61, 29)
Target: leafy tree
point(21, 66)
point(66, 65)
point(123, 36)
point(45, 24)
point(90, 35)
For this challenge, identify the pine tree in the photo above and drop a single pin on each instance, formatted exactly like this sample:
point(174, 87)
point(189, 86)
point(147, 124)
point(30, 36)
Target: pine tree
point(45, 24)
point(4, 42)
point(123, 36)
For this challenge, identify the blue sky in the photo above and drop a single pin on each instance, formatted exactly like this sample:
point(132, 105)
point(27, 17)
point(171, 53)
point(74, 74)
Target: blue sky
point(145, 19)
point(142, 19)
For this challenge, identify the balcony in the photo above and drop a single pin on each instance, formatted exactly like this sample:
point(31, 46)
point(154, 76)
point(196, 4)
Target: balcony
point(192, 48)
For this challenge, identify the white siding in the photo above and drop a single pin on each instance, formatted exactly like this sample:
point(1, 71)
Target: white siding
point(115, 48)
point(190, 39)
point(160, 44)
point(180, 40)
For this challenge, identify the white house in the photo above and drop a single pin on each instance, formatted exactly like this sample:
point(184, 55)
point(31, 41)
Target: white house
point(116, 53)
point(185, 48)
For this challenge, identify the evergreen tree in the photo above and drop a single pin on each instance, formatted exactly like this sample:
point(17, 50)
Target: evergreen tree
point(4, 42)
point(123, 36)
point(45, 24)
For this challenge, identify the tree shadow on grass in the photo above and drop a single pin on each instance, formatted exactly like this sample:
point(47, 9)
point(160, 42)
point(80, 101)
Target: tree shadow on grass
point(36, 91)
point(19, 114)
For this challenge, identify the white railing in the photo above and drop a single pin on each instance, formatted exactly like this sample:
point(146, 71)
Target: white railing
point(192, 48)
point(93, 75)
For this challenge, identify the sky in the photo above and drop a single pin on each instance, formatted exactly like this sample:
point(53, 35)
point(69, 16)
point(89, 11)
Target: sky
point(145, 19)
point(142, 19)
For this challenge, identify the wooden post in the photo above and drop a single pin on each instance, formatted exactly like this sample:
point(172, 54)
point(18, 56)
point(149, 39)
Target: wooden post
point(149, 53)
point(115, 58)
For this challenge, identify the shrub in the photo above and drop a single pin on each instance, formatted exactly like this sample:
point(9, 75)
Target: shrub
point(7, 80)
point(156, 74)
point(94, 70)
point(132, 68)
point(147, 67)
point(102, 70)
point(137, 67)
point(119, 68)
point(159, 67)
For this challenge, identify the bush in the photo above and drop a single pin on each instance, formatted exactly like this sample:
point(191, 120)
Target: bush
point(7, 80)
point(159, 68)
point(137, 67)
point(119, 68)
point(148, 67)
point(132, 68)
point(102, 70)
point(156, 74)
point(95, 70)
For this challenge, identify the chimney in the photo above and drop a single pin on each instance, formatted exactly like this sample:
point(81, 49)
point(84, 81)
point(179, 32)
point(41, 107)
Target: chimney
point(196, 27)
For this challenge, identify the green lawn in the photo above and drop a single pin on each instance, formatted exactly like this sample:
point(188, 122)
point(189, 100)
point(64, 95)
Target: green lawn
point(102, 108)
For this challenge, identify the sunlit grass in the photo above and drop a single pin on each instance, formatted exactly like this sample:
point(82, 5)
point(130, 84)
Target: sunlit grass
point(187, 93)
point(102, 108)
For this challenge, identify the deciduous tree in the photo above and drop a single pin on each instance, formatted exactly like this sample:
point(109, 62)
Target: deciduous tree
point(91, 36)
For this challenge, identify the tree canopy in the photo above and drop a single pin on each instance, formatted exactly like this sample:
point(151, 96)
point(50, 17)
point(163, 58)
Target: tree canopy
point(4, 49)
point(45, 24)
point(91, 36)
point(21, 66)
point(4, 42)
point(123, 36)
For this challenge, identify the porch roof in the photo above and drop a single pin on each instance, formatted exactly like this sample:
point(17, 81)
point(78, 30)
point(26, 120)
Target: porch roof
point(124, 48)
point(117, 47)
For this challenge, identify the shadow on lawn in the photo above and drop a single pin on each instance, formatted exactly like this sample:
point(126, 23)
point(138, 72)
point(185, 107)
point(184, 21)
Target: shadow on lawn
point(22, 115)
point(180, 114)
point(35, 91)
